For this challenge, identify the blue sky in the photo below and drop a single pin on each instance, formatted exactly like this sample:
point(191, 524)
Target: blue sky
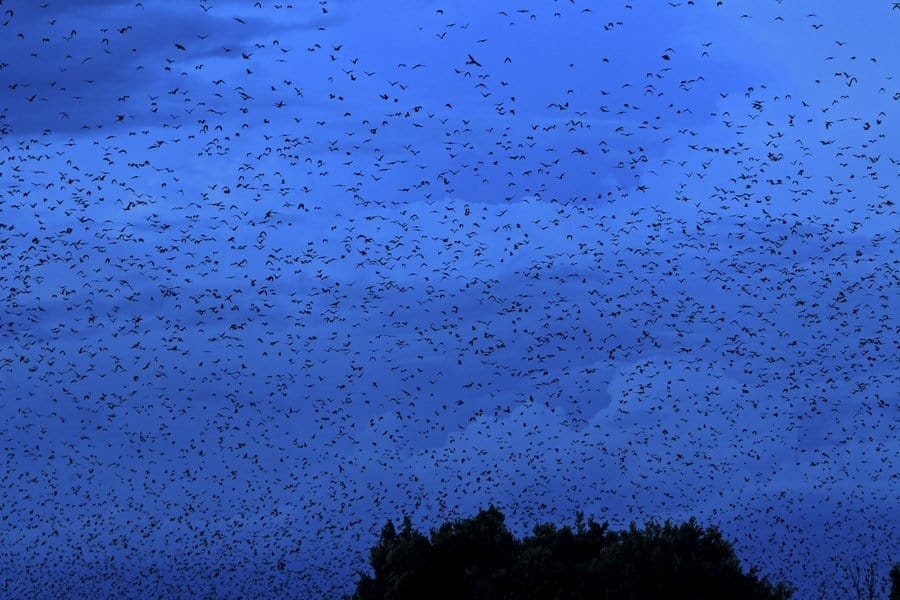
point(274, 273)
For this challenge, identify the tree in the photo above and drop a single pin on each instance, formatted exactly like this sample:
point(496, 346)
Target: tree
point(863, 581)
point(895, 582)
point(478, 558)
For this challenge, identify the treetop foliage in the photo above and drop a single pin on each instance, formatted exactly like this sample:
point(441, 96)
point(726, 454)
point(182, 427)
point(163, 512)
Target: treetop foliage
point(478, 558)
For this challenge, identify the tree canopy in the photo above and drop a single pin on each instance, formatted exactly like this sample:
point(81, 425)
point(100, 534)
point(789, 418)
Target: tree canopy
point(479, 558)
point(895, 582)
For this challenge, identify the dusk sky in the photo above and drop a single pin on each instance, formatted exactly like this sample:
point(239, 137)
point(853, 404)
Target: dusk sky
point(273, 273)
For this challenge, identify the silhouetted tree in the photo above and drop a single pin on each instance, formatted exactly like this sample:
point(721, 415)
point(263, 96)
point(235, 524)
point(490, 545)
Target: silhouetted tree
point(861, 581)
point(895, 582)
point(478, 558)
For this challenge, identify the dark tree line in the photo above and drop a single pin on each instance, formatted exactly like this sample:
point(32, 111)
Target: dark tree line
point(478, 558)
